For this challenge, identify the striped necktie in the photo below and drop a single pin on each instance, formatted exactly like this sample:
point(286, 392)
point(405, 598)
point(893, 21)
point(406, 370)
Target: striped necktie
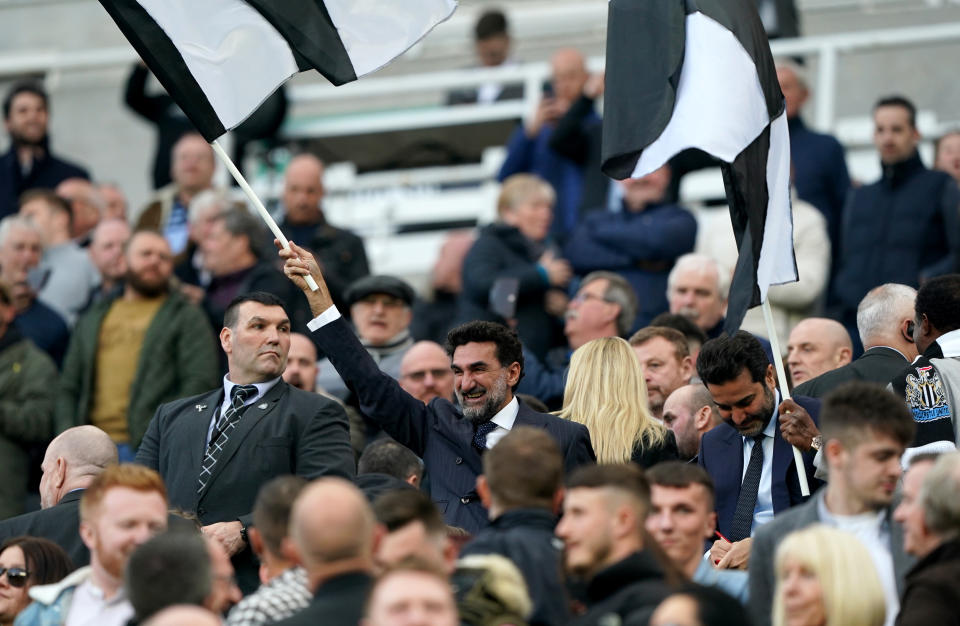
point(221, 433)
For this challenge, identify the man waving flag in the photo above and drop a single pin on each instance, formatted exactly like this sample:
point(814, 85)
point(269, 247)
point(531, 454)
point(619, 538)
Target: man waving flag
point(699, 74)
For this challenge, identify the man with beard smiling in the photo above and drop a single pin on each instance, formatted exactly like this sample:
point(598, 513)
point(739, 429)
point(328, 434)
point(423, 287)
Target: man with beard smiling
point(131, 353)
point(487, 363)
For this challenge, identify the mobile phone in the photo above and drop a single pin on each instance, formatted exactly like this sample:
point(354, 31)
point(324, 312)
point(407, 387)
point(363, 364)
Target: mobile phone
point(503, 297)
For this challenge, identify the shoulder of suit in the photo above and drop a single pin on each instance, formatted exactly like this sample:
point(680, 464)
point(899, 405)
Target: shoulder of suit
point(190, 402)
point(786, 522)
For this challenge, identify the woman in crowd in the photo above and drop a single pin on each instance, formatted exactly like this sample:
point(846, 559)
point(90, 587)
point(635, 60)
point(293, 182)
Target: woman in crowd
point(25, 562)
point(606, 393)
point(696, 605)
point(826, 577)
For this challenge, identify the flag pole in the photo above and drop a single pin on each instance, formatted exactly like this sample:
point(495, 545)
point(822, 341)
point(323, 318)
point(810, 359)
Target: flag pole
point(784, 390)
point(255, 201)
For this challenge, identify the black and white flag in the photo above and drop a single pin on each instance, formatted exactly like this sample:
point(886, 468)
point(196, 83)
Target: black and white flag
point(699, 74)
point(220, 59)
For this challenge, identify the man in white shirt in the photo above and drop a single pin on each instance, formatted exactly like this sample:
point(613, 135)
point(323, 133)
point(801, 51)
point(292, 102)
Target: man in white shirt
point(865, 431)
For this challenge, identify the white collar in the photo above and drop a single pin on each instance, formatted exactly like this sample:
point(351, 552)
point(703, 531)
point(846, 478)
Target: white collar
point(506, 416)
point(262, 388)
point(949, 344)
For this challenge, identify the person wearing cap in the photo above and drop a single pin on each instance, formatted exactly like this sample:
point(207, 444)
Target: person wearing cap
point(380, 308)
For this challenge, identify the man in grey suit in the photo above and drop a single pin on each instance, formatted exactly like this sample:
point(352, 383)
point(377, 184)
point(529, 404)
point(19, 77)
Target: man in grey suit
point(865, 430)
point(217, 449)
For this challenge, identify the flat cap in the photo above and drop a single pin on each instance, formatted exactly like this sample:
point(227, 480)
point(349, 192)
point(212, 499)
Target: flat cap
point(390, 285)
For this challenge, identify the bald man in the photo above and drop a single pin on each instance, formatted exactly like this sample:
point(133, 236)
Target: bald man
point(301, 369)
point(333, 528)
point(817, 345)
point(72, 461)
point(184, 615)
point(339, 252)
point(107, 244)
point(690, 413)
point(425, 372)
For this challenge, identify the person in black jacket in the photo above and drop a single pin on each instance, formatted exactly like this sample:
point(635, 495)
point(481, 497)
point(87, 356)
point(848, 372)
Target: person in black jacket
point(521, 487)
point(516, 248)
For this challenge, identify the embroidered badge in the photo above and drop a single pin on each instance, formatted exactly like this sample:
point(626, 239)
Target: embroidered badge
point(925, 395)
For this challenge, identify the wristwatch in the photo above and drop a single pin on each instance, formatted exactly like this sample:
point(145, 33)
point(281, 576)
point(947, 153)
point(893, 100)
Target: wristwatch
point(243, 534)
point(815, 444)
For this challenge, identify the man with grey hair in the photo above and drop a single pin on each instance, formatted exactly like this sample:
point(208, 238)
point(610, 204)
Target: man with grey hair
point(697, 288)
point(930, 517)
point(885, 323)
point(72, 461)
point(690, 412)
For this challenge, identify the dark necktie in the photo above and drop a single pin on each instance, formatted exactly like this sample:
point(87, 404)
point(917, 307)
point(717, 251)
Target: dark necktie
point(480, 437)
point(747, 500)
point(221, 432)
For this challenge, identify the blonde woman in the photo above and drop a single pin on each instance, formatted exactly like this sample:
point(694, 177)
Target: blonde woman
point(605, 392)
point(826, 577)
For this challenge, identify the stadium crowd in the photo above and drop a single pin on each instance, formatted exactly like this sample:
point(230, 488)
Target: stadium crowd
point(561, 434)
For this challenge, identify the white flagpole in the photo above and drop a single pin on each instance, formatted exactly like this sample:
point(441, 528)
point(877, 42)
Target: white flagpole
point(784, 389)
point(255, 201)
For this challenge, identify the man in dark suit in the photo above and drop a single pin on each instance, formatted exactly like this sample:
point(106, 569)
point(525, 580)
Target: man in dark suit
point(487, 365)
point(885, 323)
point(865, 431)
point(217, 449)
point(70, 464)
point(748, 456)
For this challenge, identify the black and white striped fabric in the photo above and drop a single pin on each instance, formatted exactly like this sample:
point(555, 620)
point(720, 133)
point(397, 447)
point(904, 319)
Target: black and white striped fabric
point(220, 59)
point(221, 432)
point(699, 74)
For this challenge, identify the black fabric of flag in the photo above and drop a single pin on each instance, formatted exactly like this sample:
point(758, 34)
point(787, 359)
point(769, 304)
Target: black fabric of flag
point(220, 59)
point(699, 74)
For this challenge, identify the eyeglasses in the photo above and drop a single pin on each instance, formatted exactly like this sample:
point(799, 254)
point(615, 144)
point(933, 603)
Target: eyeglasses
point(16, 576)
point(582, 297)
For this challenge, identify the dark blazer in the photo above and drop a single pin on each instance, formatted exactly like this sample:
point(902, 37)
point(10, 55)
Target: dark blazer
point(877, 365)
point(288, 431)
point(650, 456)
point(438, 432)
point(338, 602)
point(60, 524)
point(721, 454)
point(767, 538)
point(932, 592)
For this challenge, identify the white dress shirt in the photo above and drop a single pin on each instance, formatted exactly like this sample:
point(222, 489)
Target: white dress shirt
point(504, 420)
point(88, 607)
point(262, 389)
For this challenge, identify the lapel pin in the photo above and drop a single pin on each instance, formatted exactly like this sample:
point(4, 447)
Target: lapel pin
point(201, 407)
point(262, 405)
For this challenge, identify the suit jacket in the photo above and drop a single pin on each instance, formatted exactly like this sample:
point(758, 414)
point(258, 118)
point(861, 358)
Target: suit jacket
point(60, 524)
point(438, 433)
point(878, 365)
point(764, 547)
point(338, 602)
point(721, 454)
point(287, 431)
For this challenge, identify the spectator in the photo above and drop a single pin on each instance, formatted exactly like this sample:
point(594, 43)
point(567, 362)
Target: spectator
point(681, 519)
point(414, 529)
point(224, 593)
point(947, 149)
point(605, 306)
point(690, 413)
point(170, 569)
point(20, 252)
point(192, 168)
point(865, 431)
point(425, 372)
point(607, 545)
point(641, 242)
point(487, 364)
point(65, 274)
point(885, 321)
point(490, 590)
point(121, 509)
point(931, 525)
point(522, 487)
point(28, 562)
point(72, 461)
point(263, 427)
point(27, 376)
point(528, 149)
point(29, 163)
point(664, 356)
point(605, 392)
point(385, 465)
point(825, 576)
point(748, 456)
point(108, 242)
point(697, 289)
point(203, 212)
point(114, 201)
point(696, 605)
point(516, 248)
point(817, 345)
point(411, 593)
point(693, 333)
point(333, 530)
point(301, 370)
point(380, 308)
point(340, 253)
point(927, 385)
point(184, 614)
point(903, 228)
point(134, 352)
point(819, 164)
point(491, 44)
point(86, 207)
point(284, 590)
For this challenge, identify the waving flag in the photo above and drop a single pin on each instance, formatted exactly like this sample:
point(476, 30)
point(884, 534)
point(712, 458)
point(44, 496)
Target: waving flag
point(699, 74)
point(220, 59)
